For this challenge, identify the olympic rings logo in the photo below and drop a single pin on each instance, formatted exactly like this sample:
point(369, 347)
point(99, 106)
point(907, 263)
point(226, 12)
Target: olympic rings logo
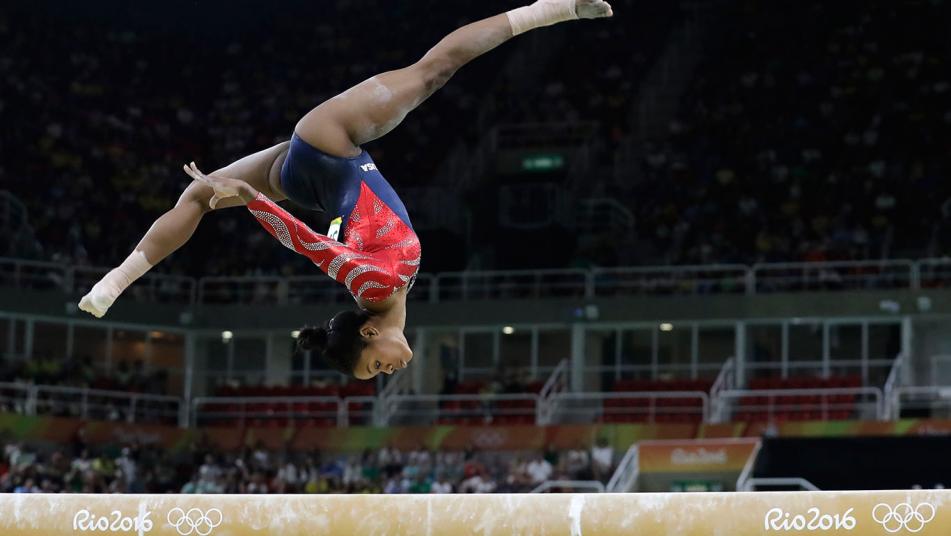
point(903, 516)
point(194, 521)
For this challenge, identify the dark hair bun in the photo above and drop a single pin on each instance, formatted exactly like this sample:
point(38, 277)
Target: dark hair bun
point(312, 338)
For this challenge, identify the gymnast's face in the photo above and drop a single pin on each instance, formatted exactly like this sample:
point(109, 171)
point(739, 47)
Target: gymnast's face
point(387, 351)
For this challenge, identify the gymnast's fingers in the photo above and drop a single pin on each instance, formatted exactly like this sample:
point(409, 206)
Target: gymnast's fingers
point(193, 170)
point(198, 176)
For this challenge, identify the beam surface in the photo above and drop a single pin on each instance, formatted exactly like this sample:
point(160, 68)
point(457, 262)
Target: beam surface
point(728, 514)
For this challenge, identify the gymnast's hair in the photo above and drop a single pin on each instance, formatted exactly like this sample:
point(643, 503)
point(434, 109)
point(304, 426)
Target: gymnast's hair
point(338, 341)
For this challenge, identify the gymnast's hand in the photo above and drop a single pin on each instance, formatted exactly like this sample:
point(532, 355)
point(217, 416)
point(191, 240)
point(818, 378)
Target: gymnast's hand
point(223, 186)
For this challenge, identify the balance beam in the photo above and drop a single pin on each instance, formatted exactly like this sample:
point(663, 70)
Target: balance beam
point(690, 514)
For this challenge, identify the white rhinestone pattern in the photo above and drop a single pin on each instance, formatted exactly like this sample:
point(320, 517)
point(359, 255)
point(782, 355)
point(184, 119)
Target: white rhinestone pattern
point(340, 260)
point(315, 246)
point(360, 270)
point(402, 243)
point(367, 286)
point(387, 227)
point(280, 230)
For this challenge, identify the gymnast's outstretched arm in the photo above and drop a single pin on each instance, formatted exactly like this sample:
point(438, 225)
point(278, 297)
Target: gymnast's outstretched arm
point(364, 275)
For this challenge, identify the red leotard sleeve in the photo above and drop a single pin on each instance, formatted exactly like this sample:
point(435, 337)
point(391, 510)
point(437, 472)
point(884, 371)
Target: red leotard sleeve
point(357, 270)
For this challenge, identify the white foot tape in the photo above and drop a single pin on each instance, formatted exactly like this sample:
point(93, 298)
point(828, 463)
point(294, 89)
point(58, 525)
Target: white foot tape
point(548, 12)
point(95, 304)
point(104, 293)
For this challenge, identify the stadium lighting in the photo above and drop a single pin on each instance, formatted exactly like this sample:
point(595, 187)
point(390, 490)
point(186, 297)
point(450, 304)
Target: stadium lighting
point(295, 334)
point(666, 326)
point(508, 330)
point(226, 336)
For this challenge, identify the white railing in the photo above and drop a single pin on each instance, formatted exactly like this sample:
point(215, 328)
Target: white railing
point(399, 384)
point(933, 273)
point(328, 410)
point(574, 485)
point(88, 403)
point(892, 383)
point(521, 284)
point(726, 381)
point(551, 406)
point(294, 290)
point(858, 402)
point(679, 280)
point(79, 279)
point(641, 406)
point(512, 284)
point(466, 409)
point(742, 482)
point(557, 383)
point(625, 476)
point(924, 398)
point(835, 275)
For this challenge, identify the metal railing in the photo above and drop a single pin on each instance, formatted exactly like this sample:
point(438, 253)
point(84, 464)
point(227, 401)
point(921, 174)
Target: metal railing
point(283, 410)
point(933, 273)
point(667, 280)
point(625, 475)
point(79, 279)
point(398, 384)
point(857, 402)
point(513, 284)
point(548, 407)
point(557, 383)
point(88, 403)
point(463, 409)
point(892, 384)
point(742, 482)
point(835, 275)
point(924, 400)
point(646, 406)
point(492, 285)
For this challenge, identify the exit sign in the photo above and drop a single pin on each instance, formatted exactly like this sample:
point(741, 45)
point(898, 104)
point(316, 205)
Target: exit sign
point(543, 162)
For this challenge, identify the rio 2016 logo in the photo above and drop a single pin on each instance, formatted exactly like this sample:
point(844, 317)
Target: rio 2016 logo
point(85, 521)
point(781, 520)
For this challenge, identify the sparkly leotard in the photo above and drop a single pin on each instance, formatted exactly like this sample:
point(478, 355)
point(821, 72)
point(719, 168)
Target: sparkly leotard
point(380, 252)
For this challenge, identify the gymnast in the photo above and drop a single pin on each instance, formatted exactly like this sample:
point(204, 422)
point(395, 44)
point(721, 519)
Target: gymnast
point(324, 168)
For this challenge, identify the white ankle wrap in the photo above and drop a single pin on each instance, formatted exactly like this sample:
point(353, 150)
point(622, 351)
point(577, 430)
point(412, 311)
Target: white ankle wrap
point(541, 13)
point(104, 293)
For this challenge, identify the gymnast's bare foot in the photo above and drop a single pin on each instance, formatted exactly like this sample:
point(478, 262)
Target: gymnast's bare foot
point(593, 9)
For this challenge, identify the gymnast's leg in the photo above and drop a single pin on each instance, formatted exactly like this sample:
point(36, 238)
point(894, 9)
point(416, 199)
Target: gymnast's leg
point(376, 106)
point(173, 228)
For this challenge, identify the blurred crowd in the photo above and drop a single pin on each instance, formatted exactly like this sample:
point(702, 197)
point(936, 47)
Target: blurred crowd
point(75, 387)
point(142, 469)
point(810, 132)
point(81, 372)
point(102, 104)
point(835, 148)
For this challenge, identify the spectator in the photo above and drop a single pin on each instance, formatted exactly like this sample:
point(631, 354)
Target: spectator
point(539, 470)
point(602, 459)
